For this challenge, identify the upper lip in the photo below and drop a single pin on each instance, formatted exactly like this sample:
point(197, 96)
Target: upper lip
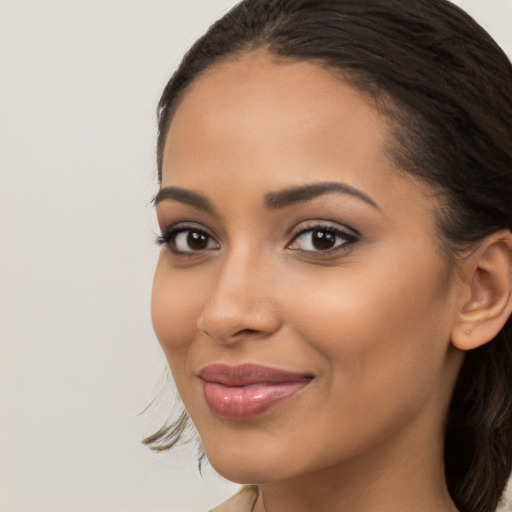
point(247, 374)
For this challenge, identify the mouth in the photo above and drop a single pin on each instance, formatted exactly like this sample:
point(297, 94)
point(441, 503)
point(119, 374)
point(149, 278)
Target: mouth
point(244, 391)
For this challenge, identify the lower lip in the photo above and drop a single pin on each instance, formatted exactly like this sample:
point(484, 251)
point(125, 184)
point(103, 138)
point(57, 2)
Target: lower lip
point(245, 402)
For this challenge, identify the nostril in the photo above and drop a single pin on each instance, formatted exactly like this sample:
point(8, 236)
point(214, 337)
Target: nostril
point(232, 321)
point(245, 332)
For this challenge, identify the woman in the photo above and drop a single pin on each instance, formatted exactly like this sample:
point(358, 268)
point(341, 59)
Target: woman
point(333, 293)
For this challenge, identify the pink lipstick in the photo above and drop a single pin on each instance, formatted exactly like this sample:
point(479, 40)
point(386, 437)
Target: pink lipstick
point(244, 391)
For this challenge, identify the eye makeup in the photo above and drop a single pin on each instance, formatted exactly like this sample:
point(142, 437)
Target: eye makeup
point(322, 238)
point(314, 238)
point(187, 239)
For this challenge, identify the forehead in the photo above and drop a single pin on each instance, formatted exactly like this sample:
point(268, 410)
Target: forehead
point(254, 106)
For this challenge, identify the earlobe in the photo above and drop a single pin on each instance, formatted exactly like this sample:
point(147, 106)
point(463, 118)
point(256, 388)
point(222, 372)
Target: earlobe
point(488, 277)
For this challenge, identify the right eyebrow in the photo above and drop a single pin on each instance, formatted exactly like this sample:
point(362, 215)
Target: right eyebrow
point(303, 193)
point(184, 196)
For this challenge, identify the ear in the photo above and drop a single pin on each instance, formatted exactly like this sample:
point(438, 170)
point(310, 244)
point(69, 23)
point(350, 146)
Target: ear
point(487, 276)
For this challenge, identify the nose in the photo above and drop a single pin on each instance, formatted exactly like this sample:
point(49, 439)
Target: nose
point(241, 303)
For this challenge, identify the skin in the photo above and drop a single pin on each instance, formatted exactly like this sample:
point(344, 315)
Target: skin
point(370, 321)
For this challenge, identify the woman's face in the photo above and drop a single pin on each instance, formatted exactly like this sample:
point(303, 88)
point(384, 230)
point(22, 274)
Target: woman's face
point(300, 297)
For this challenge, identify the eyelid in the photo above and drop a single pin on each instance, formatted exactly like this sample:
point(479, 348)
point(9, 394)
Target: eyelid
point(350, 236)
point(169, 234)
point(323, 224)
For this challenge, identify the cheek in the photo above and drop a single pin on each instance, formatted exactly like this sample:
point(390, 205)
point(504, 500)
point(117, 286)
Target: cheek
point(383, 340)
point(175, 309)
point(378, 324)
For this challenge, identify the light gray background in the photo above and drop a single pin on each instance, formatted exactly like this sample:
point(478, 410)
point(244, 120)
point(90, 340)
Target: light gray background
point(79, 83)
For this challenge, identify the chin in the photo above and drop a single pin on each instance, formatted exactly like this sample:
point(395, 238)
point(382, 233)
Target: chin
point(243, 472)
point(242, 476)
point(246, 466)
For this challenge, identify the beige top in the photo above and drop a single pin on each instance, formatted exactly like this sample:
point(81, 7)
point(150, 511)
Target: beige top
point(243, 501)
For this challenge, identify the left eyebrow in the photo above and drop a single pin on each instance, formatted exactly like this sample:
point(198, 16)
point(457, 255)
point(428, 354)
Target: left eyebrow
point(181, 195)
point(294, 195)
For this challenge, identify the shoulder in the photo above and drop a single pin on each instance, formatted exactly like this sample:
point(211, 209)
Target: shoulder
point(242, 501)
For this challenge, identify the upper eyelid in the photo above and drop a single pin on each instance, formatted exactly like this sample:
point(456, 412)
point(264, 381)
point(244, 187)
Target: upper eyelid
point(323, 224)
point(349, 241)
point(338, 232)
point(186, 226)
point(298, 229)
point(169, 234)
point(179, 227)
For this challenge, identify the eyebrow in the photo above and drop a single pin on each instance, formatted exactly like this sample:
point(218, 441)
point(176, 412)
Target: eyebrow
point(182, 195)
point(273, 200)
point(294, 195)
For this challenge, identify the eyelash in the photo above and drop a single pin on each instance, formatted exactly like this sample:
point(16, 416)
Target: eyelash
point(169, 235)
point(349, 238)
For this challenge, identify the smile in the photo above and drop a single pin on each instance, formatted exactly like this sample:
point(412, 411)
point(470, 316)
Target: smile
point(245, 391)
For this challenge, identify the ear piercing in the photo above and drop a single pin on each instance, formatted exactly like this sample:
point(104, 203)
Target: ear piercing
point(468, 332)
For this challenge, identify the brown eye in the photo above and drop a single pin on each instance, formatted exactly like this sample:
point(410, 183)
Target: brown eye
point(321, 239)
point(197, 241)
point(192, 240)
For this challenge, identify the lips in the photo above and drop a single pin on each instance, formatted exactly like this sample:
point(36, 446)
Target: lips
point(244, 391)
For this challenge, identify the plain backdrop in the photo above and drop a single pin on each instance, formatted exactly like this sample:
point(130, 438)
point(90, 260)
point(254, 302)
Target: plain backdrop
point(79, 84)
